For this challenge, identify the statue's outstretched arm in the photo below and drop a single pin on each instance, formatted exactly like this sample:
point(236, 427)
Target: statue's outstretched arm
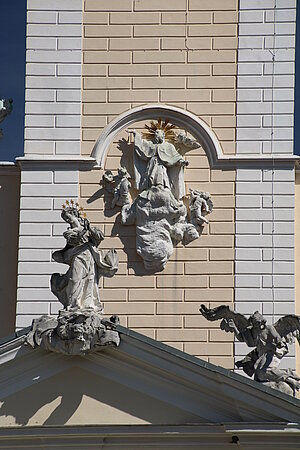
point(232, 322)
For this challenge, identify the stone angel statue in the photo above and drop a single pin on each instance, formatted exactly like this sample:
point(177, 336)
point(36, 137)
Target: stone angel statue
point(118, 186)
point(200, 205)
point(271, 344)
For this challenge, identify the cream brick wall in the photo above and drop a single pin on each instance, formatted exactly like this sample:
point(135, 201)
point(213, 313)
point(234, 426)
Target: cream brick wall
point(175, 52)
point(184, 54)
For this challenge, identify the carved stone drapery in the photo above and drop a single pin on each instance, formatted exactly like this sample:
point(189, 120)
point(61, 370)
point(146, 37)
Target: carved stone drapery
point(79, 328)
point(159, 213)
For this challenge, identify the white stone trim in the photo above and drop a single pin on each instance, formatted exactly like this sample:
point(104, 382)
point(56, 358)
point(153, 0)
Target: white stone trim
point(53, 95)
point(43, 191)
point(190, 122)
point(200, 437)
point(264, 241)
point(264, 245)
point(197, 127)
point(265, 80)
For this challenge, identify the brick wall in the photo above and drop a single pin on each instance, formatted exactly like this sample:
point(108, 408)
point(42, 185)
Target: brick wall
point(265, 82)
point(43, 191)
point(52, 142)
point(184, 54)
point(175, 52)
point(53, 77)
point(265, 197)
point(297, 257)
point(265, 244)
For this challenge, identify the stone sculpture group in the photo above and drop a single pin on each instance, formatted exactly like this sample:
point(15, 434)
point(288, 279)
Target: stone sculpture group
point(161, 221)
point(158, 212)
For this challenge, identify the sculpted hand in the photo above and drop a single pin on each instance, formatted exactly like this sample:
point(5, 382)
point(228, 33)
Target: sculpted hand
point(131, 131)
point(183, 163)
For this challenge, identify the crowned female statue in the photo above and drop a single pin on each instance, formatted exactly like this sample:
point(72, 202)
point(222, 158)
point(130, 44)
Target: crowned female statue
point(78, 287)
point(79, 328)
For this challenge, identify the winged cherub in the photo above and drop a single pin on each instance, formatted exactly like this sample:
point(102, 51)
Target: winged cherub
point(271, 344)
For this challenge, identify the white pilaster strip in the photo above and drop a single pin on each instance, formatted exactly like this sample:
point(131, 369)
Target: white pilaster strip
point(265, 196)
point(265, 82)
point(53, 77)
point(50, 169)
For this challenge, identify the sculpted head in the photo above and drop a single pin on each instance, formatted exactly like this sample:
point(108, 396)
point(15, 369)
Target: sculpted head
point(257, 320)
point(159, 136)
point(122, 172)
point(70, 215)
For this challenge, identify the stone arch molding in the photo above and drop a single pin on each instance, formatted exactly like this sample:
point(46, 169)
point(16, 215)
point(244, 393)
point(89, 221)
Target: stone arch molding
point(183, 119)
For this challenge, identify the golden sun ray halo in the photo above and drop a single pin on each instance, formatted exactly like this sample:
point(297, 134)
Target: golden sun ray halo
point(159, 124)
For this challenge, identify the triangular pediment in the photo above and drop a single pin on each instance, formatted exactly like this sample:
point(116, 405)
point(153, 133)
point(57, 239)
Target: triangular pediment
point(142, 382)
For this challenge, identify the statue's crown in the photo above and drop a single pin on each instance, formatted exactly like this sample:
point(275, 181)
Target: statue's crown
point(71, 204)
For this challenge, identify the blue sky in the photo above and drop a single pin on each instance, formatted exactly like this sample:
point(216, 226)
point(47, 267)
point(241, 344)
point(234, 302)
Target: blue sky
point(12, 75)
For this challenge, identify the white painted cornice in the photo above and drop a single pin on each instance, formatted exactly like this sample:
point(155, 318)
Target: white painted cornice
point(80, 161)
point(164, 374)
point(277, 436)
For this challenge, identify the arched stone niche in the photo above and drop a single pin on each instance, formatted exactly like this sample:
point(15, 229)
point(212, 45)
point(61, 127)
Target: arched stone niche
point(179, 117)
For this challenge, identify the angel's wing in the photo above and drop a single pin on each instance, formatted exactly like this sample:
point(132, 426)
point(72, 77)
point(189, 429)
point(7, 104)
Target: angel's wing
point(225, 313)
point(185, 143)
point(288, 327)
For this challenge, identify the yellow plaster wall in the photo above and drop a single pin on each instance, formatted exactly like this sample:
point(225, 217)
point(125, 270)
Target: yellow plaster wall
point(178, 52)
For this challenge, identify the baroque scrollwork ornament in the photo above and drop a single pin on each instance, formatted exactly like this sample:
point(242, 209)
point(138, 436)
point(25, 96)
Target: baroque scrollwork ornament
point(79, 328)
point(158, 211)
point(270, 343)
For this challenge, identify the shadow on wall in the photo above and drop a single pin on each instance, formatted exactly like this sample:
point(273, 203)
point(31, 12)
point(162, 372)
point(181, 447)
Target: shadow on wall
point(80, 397)
point(9, 232)
point(125, 233)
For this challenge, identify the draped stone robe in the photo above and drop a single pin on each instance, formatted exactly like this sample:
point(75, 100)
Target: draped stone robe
point(158, 164)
